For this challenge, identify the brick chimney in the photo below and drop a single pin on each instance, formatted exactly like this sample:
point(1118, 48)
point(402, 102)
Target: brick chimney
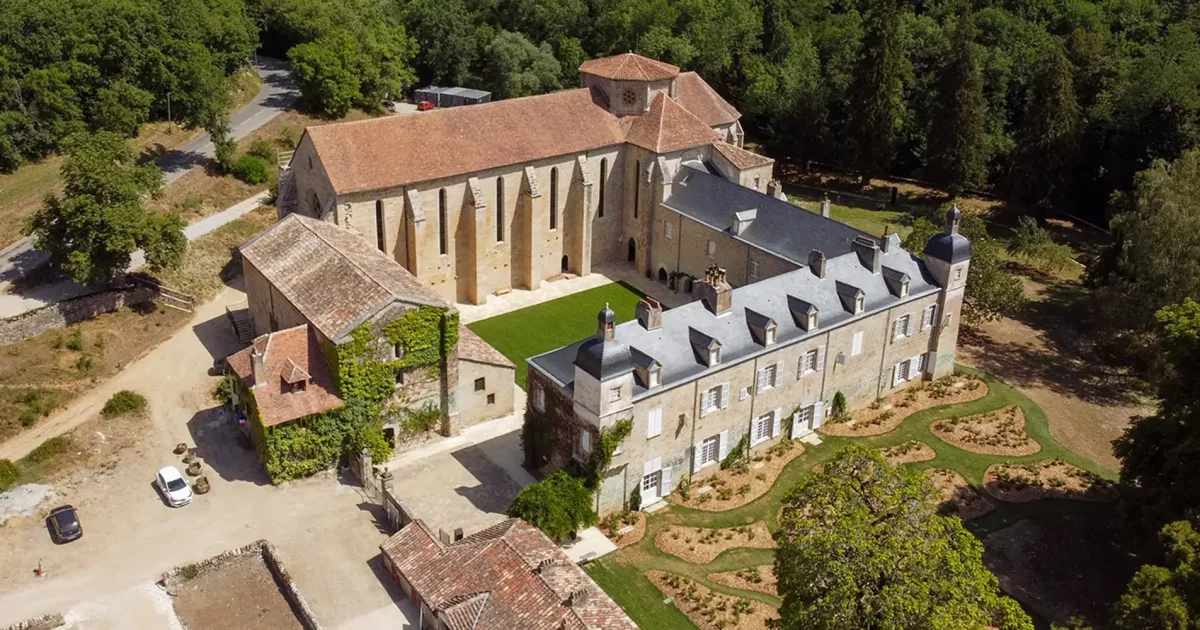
point(891, 241)
point(816, 263)
point(868, 253)
point(649, 314)
point(258, 367)
point(716, 292)
point(825, 206)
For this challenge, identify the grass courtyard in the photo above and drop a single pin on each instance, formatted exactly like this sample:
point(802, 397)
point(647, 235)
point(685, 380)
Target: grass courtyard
point(541, 328)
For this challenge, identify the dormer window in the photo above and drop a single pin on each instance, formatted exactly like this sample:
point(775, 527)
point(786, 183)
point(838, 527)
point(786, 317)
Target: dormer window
point(762, 328)
point(656, 378)
point(804, 313)
point(853, 299)
point(859, 304)
point(897, 281)
point(299, 387)
point(904, 289)
point(706, 349)
point(714, 356)
point(770, 336)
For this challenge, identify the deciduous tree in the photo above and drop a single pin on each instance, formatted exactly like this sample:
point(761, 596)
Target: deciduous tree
point(557, 505)
point(516, 67)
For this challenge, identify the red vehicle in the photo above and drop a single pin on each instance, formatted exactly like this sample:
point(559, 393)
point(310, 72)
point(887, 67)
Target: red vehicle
point(424, 106)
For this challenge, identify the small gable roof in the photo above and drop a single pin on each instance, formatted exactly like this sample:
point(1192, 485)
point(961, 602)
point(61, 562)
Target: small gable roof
point(739, 157)
point(472, 347)
point(289, 356)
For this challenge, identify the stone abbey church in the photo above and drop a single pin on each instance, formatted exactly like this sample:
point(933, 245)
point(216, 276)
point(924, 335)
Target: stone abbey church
point(477, 201)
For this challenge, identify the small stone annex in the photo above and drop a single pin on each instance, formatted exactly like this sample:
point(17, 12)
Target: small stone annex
point(509, 575)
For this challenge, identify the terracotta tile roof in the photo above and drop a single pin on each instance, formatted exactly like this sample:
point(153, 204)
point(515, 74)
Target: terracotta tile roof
point(288, 354)
point(698, 97)
point(393, 151)
point(629, 67)
point(332, 276)
point(473, 348)
point(740, 157)
point(509, 575)
point(666, 127)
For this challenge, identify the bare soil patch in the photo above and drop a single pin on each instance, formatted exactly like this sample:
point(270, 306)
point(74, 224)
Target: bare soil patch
point(209, 263)
point(998, 432)
point(1064, 565)
point(701, 545)
point(907, 453)
point(760, 578)
point(626, 529)
point(709, 610)
point(740, 484)
point(1053, 479)
point(958, 497)
point(240, 593)
point(885, 415)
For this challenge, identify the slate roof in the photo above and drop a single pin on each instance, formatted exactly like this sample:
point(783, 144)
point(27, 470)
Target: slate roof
point(629, 67)
point(288, 356)
point(472, 347)
point(671, 345)
point(332, 276)
point(780, 228)
point(666, 127)
point(509, 575)
point(698, 97)
point(379, 153)
point(740, 157)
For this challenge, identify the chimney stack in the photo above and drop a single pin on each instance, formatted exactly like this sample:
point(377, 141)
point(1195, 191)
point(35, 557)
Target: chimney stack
point(868, 253)
point(816, 262)
point(774, 188)
point(825, 206)
point(578, 598)
point(258, 367)
point(891, 241)
point(649, 314)
point(716, 292)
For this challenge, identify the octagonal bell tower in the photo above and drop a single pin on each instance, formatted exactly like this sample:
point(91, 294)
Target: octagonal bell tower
point(628, 82)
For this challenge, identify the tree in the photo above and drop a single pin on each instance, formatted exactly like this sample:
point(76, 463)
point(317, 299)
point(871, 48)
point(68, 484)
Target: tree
point(1165, 597)
point(861, 545)
point(876, 97)
point(326, 73)
point(557, 505)
point(121, 108)
point(1034, 243)
point(224, 146)
point(518, 68)
point(444, 30)
point(92, 229)
point(1048, 137)
point(957, 138)
point(991, 291)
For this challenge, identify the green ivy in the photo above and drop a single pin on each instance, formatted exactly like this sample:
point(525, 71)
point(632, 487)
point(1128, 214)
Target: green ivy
point(538, 437)
point(420, 420)
point(602, 453)
point(739, 451)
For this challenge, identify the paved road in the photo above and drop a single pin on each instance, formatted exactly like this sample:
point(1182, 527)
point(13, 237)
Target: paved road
point(277, 94)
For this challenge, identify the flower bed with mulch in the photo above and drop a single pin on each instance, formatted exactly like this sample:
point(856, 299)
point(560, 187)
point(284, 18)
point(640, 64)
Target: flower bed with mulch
point(709, 610)
point(760, 578)
point(958, 497)
point(998, 432)
point(1052, 479)
point(701, 545)
point(907, 453)
point(624, 528)
point(887, 414)
point(740, 484)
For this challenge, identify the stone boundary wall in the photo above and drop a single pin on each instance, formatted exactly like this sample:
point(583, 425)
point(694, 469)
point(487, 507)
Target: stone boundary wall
point(45, 622)
point(291, 592)
point(52, 316)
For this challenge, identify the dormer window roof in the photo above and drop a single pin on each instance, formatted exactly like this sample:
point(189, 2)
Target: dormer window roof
point(804, 313)
point(707, 349)
point(646, 369)
point(762, 328)
point(853, 299)
point(897, 281)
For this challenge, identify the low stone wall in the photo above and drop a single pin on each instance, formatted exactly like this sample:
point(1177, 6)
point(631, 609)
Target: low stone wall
point(52, 316)
point(270, 556)
point(45, 622)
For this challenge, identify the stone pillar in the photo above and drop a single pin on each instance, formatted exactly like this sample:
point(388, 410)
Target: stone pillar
point(416, 230)
point(449, 386)
point(531, 258)
point(477, 237)
point(581, 248)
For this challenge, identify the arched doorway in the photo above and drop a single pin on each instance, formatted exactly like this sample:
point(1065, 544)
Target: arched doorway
point(632, 250)
point(565, 264)
point(662, 274)
point(688, 285)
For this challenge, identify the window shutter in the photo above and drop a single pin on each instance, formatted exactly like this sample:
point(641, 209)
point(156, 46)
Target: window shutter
point(666, 482)
point(760, 380)
point(818, 409)
point(723, 446)
point(933, 315)
point(777, 423)
point(648, 468)
point(821, 359)
point(704, 404)
point(897, 377)
point(724, 395)
point(907, 325)
point(914, 367)
point(778, 376)
point(857, 344)
point(896, 329)
point(795, 425)
point(696, 457)
point(654, 423)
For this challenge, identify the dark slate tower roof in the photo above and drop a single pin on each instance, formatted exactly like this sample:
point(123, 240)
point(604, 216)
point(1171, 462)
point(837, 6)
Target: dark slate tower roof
point(950, 246)
point(603, 357)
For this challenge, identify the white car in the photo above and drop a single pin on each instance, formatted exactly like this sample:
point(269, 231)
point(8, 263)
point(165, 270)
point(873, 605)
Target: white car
point(173, 487)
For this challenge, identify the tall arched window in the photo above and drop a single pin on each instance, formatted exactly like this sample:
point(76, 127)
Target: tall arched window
point(442, 221)
point(637, 187)
point(499, 209)
point(554, 198)
point(379, 238)
point(603, 185)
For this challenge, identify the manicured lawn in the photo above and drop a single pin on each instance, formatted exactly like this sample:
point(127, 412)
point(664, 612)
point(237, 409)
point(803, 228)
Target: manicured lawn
point(549, 325)
point(622, 574)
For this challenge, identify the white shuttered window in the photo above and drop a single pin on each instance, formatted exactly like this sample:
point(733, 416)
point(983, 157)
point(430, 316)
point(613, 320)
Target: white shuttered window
point(654, 423)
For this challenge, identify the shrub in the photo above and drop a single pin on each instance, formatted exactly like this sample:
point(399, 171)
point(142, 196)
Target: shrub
point(84, 364)
point(420, 420)
point(9, 474)
point(736, 453)
point(557, 505)
point(251, 169)
point(635, 500)
point(48, 450)
point(123, 402)
point(262, 148)
point(189, 572)
point(288, 137)
point(839, 406)
point(75, 341)
point(223, 392)
point(684, 487)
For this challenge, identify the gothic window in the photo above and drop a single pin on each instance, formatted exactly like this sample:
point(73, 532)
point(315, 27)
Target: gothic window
point(603, 185)
point(637, 187)
point(554, 198)
point(499, 209)
point(442, 245)
point(379, 237)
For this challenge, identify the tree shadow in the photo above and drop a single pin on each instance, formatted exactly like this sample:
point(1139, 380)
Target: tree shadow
point(496, 489)
point(224, 449)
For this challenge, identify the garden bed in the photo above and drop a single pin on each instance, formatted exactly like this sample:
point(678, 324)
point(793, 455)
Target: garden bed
point(909, 452)
point(237, 593)
point(886, 414)
point(709, 610)
point(998, 432)
point(760, 578)
point(958, 497)
point(739, 484)
point(701, 545)
point(624, 528)
point(1053, 479)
